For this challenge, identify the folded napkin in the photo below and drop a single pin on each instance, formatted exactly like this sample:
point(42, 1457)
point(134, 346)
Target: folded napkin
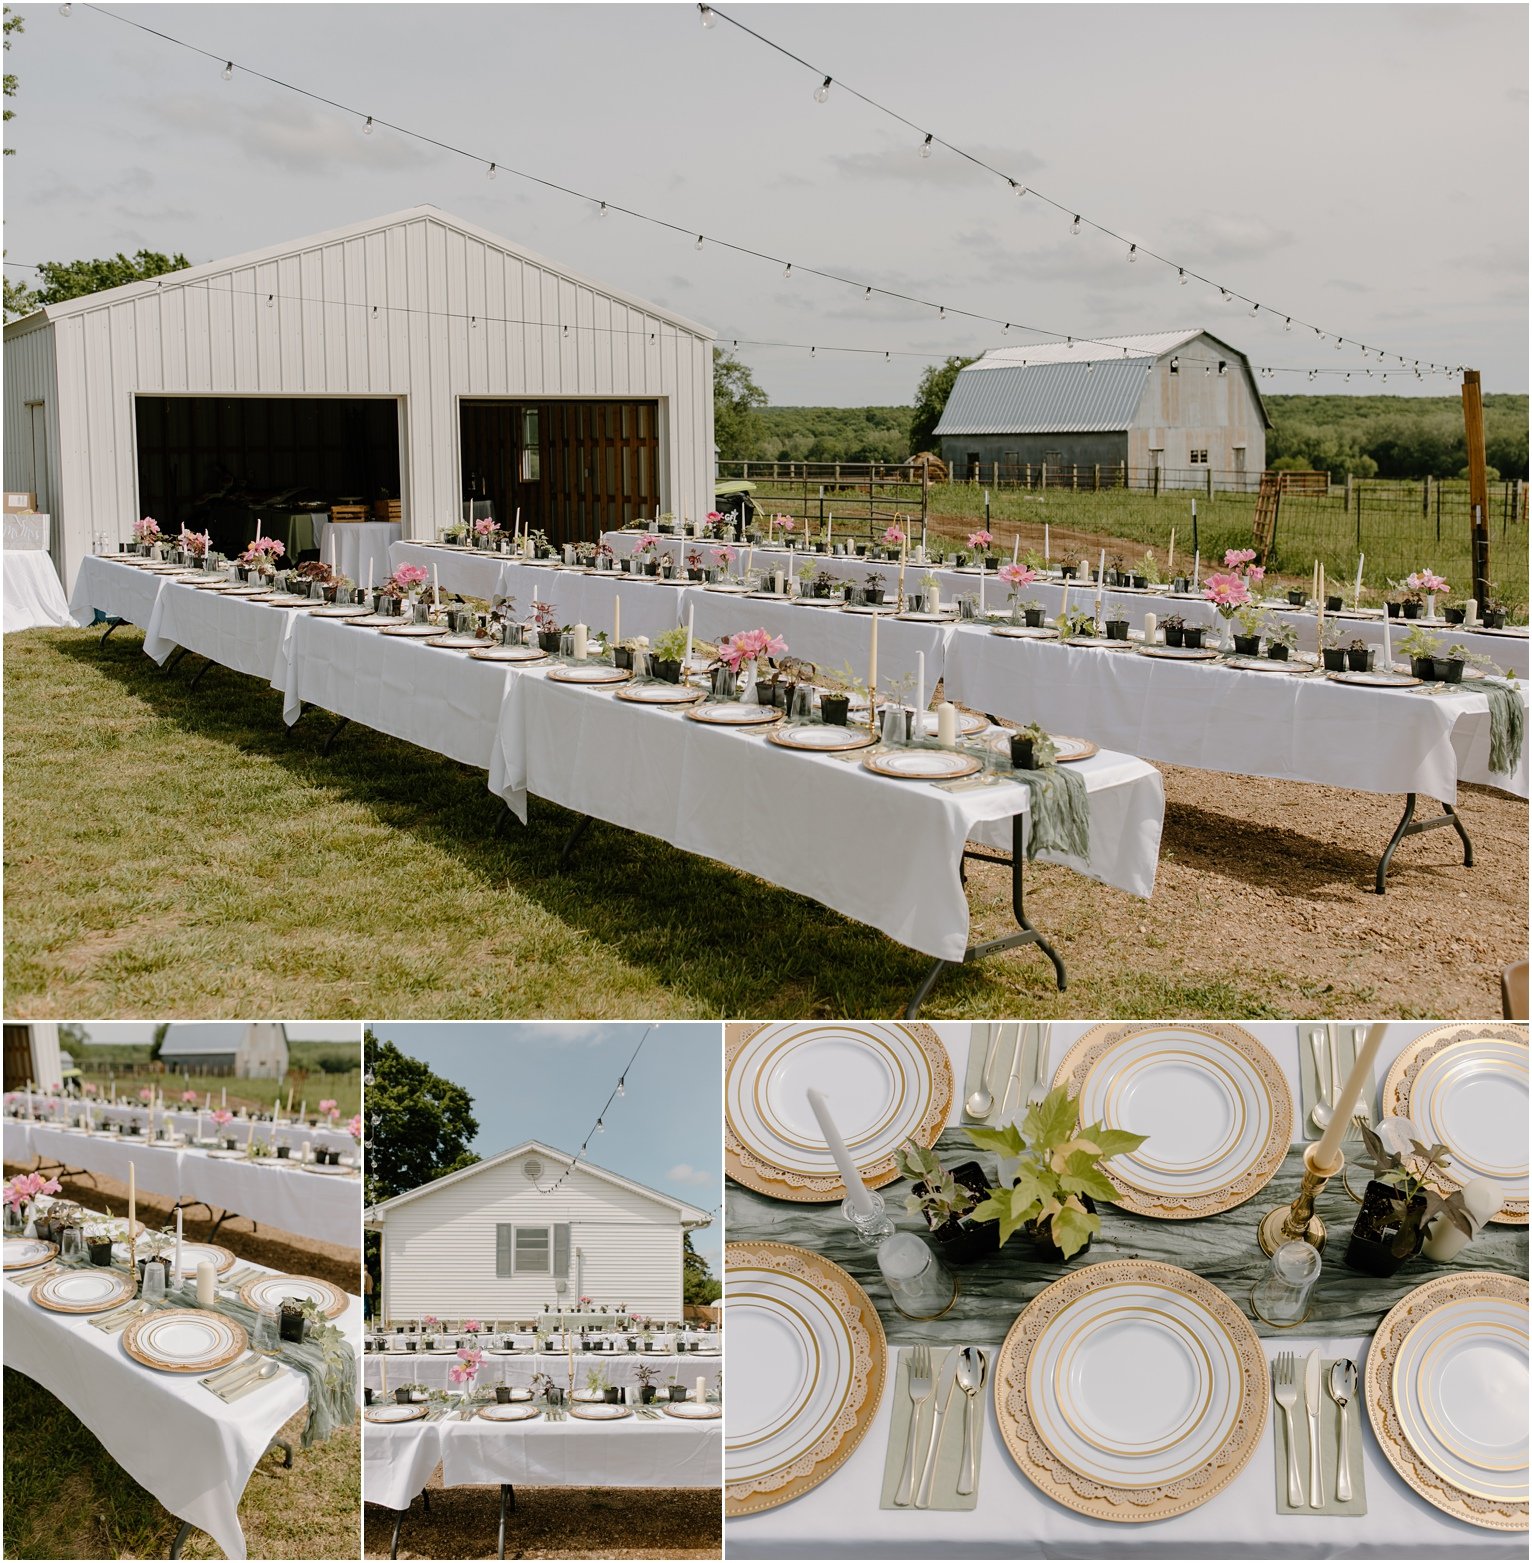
point(949, 1454)
point(1329, 1452)
point(1059, 820)
point(1507, 719)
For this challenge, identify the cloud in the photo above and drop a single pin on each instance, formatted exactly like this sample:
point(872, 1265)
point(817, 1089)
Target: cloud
point(684, 1172)
point(943, 170)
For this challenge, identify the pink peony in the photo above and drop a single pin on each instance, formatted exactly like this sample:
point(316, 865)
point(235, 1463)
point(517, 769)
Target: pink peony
point(146, 1095)
point(750, 646)
point(25, 1187)
point(1236, 557)
point(328, 1108)
point(1426, 581)
point(980, 539)
point(484, 526)
point(714, 516)
point(472, 1326)
point(893, 536)
point(410, 577)
point(355, 1128)
point(1016, 575)
point(1226, 593)
point(430, 1321)
point(221, 1117)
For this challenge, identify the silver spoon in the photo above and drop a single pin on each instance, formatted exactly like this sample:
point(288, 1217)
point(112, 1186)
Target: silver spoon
point(1322, 1112)
point(1342, 1392)
point(973, 1369)
point(267, 1369)
point(981, 1103)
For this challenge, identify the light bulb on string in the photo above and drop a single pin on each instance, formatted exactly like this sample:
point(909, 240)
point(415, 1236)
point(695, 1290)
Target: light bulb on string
point(64, 10)
point(1287, 324)
point(489, 173)
point(942, 314)
point(822, 91)
point(867, 295)
point(1340, 342)
point(1226, 295)
point(271, 301)
point(1132, 252)
point(1255, 310)
point(228, 70)
point(622, 1089)
point(1074, 227)
point(601, 1126)
point(787, 270)
point(1181, 274)
point(699, 241)
point(925, 146)
point(708, 19)
point(367, 127)
point(1005, 330)
point(601, 210)
point(1019, 189)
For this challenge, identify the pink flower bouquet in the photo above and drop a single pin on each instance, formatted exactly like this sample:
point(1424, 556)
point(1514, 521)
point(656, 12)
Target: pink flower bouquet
point(980, 539)
point(645, 544)
point(1228, 593)
point(146, 1095)
point(484, 527)
point(406, 579)
point(466, 1369)
point(893, 537)
point(147, 530)
point(749, 646)
point(328, 1109)
point(786, 523)
point(354, 1128)
point(21, 1190)
point(724, 556)
point(195, 543)
point(1016, 576)
point(1426, 581)
point(222, 1116)
point(472, 1326)
point(262, 553)
point(188, 1096)
point(91, 1088)
point(429, 1321)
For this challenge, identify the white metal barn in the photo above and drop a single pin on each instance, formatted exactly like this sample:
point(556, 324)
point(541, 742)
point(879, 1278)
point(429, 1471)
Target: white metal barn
point(413, 359)
point(487, 1242)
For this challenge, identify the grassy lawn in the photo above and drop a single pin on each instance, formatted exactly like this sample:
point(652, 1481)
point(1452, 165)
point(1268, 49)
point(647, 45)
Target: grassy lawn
point(312, 1087)
point(173, 852)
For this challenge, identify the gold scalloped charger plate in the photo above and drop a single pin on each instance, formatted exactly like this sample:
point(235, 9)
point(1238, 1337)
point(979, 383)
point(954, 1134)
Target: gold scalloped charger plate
point(811, 1358)
point(1466, 1087)
point(1214, 1103)
point(271, 1291)
point(1131, 1390)
point(83, 1291)
point(184, 1340)
point(1446, 1393)
point(886, 1082)
point(26, 1253)
point(396, 1413)
point(592, 673)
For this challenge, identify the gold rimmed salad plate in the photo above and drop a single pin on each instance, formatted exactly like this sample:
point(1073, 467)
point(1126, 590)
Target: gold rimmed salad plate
point(83, 1291)
point(1465, 1087)
point(1131, 1390)
point(922, 764)
point(600, 1411)
point(661, 694)
point(271, 1291)
point(885, 1083)
point(409, 631)
point(25, 1253)
point(825, 738)
point(734, 713)
point(1376, 680)
point(1213, 1102)
point(1024, 631)
point(397, 1413)
point(811, 1364)
point(192, 1254)
point(515, 1411)
point(588, 673)
point(339, 610)
point(508, 654)
point(692, 1410)
point(1179, 653)
point(456, 642)
point(184, 1340)
point(1446, 1390)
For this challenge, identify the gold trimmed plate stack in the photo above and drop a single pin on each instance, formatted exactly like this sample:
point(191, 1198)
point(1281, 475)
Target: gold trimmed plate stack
point(1130, 1390)
point(810, 1359)
point(184, 1340)
point(1215, 1105)
point(1446, 1391)
point(885, 1083)
point(271, 1291)
point(26, 1253)
point(83, 1291)
point(1465, 1086)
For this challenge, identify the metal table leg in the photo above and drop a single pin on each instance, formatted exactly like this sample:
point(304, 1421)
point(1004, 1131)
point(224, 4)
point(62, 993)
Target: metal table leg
point(175, 657)
point(335, 733)
point(198, 676)
point(111, 624)
point(507, 1501)
point(287, 1451)
point(393, 1546)
point(574, 840)
point(1028, 934)
point(181, 1538)
point(1410, 826)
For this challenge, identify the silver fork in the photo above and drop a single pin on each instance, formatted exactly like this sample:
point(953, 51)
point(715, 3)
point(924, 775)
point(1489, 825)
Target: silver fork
point(921, 1388)
point(1284, 1385)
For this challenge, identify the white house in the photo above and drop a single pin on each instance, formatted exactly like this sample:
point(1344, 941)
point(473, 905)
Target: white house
point(490, 1242)
point(413, 360)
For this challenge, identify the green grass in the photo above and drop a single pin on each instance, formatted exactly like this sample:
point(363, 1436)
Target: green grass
point(346, 1089)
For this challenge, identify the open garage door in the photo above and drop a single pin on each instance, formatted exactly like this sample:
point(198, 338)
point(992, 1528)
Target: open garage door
point(573, 468)
point(219, 463)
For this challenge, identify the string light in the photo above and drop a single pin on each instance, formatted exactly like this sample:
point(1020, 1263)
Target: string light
point(1132, 252)
point(709, 18)
point(699, 241)
point(822, 91)
point(228, 70)
point(367, 128)
point(787, 270)
point(601, 210)
point(943, 314)
point(1018, 189)
point(1181, 274)
point(867, 295)
point(64, 10)
point(925, 146)
point(1074, 227)
point(490, 172)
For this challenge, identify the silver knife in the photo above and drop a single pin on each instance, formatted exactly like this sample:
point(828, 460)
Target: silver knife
point(1040, 1062)
point(1311, 1399)
point(941, 1402)
point(1014, 1078)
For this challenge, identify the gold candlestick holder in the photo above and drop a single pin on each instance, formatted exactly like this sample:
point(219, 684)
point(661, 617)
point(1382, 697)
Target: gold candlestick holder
point(1298, 1222)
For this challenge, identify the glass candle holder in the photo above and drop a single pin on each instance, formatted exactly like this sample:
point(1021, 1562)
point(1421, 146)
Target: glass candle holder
point(921, 1286)
point(1282, 1296)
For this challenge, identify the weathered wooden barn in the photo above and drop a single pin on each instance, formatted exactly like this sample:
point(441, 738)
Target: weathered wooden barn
point(412, 359)
point(1182, 404)
point(490, 1241)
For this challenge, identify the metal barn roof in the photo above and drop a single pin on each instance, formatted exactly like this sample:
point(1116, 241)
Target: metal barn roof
point(1146, 345)
point(204, 1037)
point(1053, 398)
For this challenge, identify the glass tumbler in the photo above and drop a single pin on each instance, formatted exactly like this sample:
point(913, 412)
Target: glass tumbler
point(1281, 1297)
point(921, 1286)
point(154, 1281)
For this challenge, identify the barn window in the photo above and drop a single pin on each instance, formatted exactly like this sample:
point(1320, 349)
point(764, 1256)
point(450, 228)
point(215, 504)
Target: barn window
point(1198, 457)
point(531, 447)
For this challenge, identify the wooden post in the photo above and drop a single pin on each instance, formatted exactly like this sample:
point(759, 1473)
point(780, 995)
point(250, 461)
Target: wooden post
point(1210, 482)
point(1097, 488)
point(1478, 486)
point(1029, 477)
point(1348, 493)
point(994, 480)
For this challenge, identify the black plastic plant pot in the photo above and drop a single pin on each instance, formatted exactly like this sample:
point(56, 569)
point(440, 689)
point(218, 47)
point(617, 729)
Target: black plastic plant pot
point(101, 1253)
point(402, 1396)
point(1374, 1238)
point(367, 1394)
point(1277, 651)
point(1046, 1251)
point(915, 602)
point(670, 672)
point(555, 1397)
point(1333, 604)
point(1140, 582)
point(765, 693)
point(1067, 572)
point(1033, 618)
point(1494, 619)
point(874, 595)
point(964, 1242)
point(611, 1394)
point(284, 1151)
point(1192, 635)
point(1182, 583)
point(834, 709)
point(1175, 635)
point(1247, 645)
point(1116, 629)
point(1423, 667)
point(1411, 610)
point(410, 1344)
point(645, 1393)
point(1335, 659)
point(502, 1394)
point(622, 657)
point(1358, 661)
point(1449, 669)
point(1392, 609)
point(1455, 615)
point(549, 641)
point(1297, 599)
point(677, 1392)
point(290, 1323)
point(992, 562)
point(1021, 752)
point(228, 1144)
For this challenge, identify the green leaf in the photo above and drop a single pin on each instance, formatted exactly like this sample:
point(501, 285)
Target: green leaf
point(1025, 1192)
point(1073, 1227)
point(1005, 1142)
point(996, 1208)
point(1013, 1222)
point(1051, 1120)
point(1115, 1142)
point(1083, 1176)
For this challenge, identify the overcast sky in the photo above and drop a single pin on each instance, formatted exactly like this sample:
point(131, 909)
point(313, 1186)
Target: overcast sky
point(1363, 167)
point(103, 1031)
point(536, 1081)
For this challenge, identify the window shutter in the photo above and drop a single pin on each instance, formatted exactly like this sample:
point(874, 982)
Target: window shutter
point(503, 1252)
point(561, 1249)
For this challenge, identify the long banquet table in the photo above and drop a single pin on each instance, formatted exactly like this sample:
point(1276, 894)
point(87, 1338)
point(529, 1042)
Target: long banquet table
point(278, 1193)
point(385, 1370)
point(192, 1451)
point(840, 1518)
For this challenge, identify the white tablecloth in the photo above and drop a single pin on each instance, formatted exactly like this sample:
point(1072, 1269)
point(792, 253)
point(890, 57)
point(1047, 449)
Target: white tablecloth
point(323, 1206)
point(841, 1518)
point(1218, 719)
point(398, 1459)
point(33, 596)
point(349, 546)
point(884, 852)
point(200, 1123)
point(183, 1444)
point(120, 591)
point(248, 637)
point(393, 1368)
point(18, 1143)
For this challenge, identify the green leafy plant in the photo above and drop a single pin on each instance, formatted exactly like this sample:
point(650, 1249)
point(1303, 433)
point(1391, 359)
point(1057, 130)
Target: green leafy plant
point(944, 1198)
point(1043, 747)
point(1421, 642)
point(1058, 1163)
point(1415, 1174)
point(1149, 569)
point(1078, 623)
point(595, 1381)
point(1250, 618)
point(670, 645)
point(1279, 632)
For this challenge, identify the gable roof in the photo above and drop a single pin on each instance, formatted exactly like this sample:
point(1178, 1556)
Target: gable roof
point(1146, 345)
point(690, 1215)
point(209, 1036)
point(422, 213)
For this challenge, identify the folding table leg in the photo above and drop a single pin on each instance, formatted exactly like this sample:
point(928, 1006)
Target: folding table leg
point(181, 1538)
point(574, 840)
point(335, 733)
point(111, 624)
point(1410, 826)
point(287, 1451)
point(393, 1546)
point(197, 678)
point(507, 1500)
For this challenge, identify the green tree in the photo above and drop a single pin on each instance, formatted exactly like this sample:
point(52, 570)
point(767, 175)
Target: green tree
point(159, 1040)
point(73, 279)
point(737, 403)
point(13, 24)
point(699, 1286)
point(931, 395)
point(420, 1124)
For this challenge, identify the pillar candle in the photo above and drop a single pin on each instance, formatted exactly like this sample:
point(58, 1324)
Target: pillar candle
point(856, 1190)
point(778, 581)
point(1356, 595)
point(1388, 645)
point(920, 691)
point(132, 1213)
point(305, 1152)
point(691, 617)
point(1196, 569)
point(701, 1389)
point(436, 587)
point(981, 586)
point(1170, 563)
point(580, 635)
point(1151, 628)
point(207, 1283)
point(946, 724)
point(1047, 545)
point(177, 1271)
point(1327, 1153)
point(223, 1095)
point(1470, 611)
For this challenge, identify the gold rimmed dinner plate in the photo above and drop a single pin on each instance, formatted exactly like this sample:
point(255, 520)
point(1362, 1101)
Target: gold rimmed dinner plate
point(83, 1291)
point(922, 764)
point(1376, 680)
point(1162, 1400)
point(184, 1340)
point(1465, 1086)
point(271, 1291)
point(735, 713)
point(409, 631)
point(692, 1410)
point(1267, 665)
point(192, 1254)
point(340, 610)
point(1179, 653)
point(811, 1363)
point(1024, 631)
point(1215, 1106)
point(885, 1083)
point(397, 1413)
point(1446, 1393)
point(25, 1253)
point(600, 1411)
point(508, 654)
point(513, 1411)
point(587, 673)
point(826, 738)
point(456, 642)
point(661, 694)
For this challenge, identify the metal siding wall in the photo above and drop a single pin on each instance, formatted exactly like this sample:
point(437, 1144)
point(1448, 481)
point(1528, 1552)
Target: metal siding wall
point(30, 375)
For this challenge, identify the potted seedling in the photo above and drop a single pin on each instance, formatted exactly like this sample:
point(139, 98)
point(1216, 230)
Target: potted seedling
point(1297, 596)
point(646, 1376)
point(822, 585)
point(1077, 624)
point(1247, 638)
point(1359, 656)
point(1422, 647)
point(1175, 629)
point(1455, 614)
point(676, 1392)
point(872, 588)
point(1191, 636)
point(545, 617)
point(694, 568)
point(946, 1200)
point(1333, 648)
point(1449, 669)
point(1031, 748)
point(1032, 613)
point(1403, 1197)
point(1281, 640)
point(1494, 612)
point(1055, 1176)
point(669, 649)
point(1117, 627)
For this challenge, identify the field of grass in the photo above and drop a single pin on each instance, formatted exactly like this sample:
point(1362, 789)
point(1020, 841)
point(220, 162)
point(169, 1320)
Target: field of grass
point(393, 895)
